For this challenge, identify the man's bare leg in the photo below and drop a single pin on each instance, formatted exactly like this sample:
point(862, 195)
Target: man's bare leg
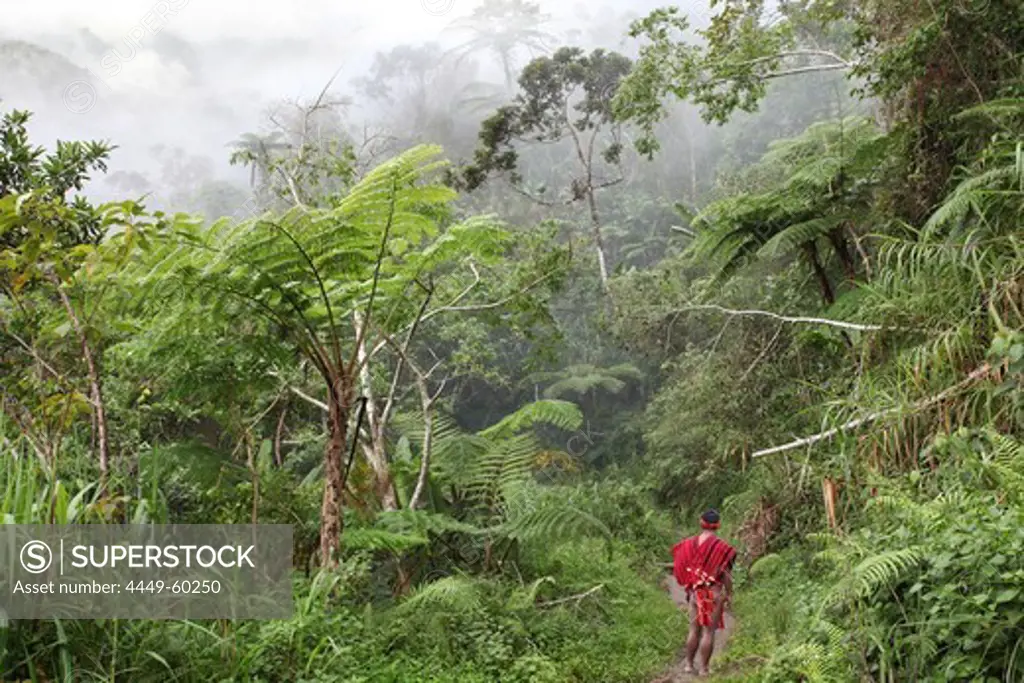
point(707, 641)
point(707, 647)
point(692, 640)
point(692, 643)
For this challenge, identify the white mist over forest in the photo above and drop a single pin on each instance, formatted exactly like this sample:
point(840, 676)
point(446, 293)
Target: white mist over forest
point(173, 82)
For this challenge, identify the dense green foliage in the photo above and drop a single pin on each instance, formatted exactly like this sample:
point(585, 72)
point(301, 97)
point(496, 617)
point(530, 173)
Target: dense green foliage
point(485, 444)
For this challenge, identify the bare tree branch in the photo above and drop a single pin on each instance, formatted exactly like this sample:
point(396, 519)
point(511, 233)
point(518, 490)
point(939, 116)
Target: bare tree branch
point(685, 231)
point(534, 198)
point(572, 598)
point(309, 399)
point(805, 69)
point(785, 318)
point(837, 60)
point(493, 304)
point(853, 424)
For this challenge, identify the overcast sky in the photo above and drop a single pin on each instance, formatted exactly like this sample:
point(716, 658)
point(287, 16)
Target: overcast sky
point(197, 73)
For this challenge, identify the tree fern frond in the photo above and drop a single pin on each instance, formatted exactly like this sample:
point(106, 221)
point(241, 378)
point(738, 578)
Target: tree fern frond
point(552, 522)
point(421, 523)
point(449, 594)
point(876, 571)
point(562, 414)
point(969, 197)
point(792, 237)
point(381, 539)
point(506, 462)
point(1000, 109)
point(526, 597)
point(626, 371)
point(584, 385)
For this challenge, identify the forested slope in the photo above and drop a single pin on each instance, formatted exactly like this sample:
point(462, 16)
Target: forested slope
point(491, 366)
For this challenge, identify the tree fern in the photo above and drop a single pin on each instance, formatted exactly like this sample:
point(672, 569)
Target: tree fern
point(523, 598)
point(788, 240)
point(561, 414)
point(380, 539)
point(584, 385)
point(876, 571)
point(310, 270)
point(449, 594)
point(580, 380)
point(553, 522)
point(506, 463)
point(799, 192)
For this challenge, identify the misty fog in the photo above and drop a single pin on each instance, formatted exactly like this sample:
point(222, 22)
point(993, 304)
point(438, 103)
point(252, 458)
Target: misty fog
point(174, 82)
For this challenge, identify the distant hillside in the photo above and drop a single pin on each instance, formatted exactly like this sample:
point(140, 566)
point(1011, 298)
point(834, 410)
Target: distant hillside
point(27, 65)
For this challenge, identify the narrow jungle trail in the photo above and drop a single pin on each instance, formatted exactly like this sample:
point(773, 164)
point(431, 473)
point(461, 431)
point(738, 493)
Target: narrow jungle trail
point(676, 673)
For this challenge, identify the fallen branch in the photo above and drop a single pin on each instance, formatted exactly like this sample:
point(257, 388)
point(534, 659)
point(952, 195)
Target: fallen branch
point(860, 327)
point(853, 424)
point(805, 69)
point(571, 598)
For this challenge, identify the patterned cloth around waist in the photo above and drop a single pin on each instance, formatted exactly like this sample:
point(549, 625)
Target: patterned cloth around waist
point(706, 604)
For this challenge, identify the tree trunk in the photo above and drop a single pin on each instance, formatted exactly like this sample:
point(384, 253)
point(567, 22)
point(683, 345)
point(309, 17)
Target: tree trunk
point(839, 244)
point(811, 251)
point(383, 484)
point(331, 521)
point(403, 583)
point(254, 472)
point(427, 404)
point(828, 491)
point(95, 386)
point(279, 434)
point(376, 453)
point(693, 163)
point(595, 226)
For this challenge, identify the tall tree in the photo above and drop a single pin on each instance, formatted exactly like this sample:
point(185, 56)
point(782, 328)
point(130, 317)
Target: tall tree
point(728, 65)
point(257, 153)
point(44, 240)
point(505, 28)
point(924, 62)
point(565, 97)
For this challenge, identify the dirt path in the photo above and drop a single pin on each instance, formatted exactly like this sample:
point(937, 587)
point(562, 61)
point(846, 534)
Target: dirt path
point(675, 674)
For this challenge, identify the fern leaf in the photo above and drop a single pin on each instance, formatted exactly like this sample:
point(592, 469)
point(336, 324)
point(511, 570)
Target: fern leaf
point(562, 414)
point(449, 594)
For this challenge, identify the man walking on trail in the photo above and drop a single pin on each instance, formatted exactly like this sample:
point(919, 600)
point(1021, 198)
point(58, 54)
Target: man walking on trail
point(702, 565)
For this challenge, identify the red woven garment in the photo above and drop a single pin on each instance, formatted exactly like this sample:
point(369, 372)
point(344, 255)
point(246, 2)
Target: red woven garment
point(698, 567)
